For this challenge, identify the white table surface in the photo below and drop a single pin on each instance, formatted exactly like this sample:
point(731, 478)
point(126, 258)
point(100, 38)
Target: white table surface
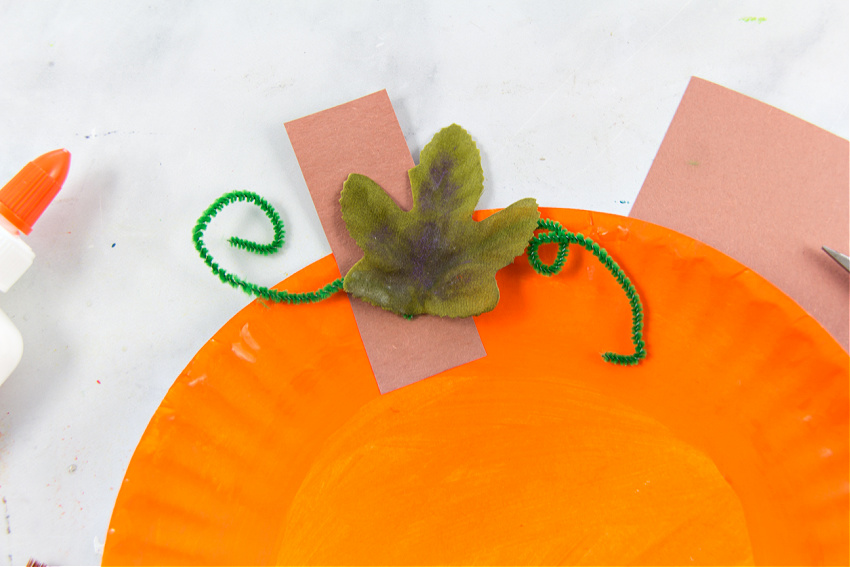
point(164, 106)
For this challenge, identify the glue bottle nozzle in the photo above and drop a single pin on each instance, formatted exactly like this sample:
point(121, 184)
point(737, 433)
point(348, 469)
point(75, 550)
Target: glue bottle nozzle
point(24, 198)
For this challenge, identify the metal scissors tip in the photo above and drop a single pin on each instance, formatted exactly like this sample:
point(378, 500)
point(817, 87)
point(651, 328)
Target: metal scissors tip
point(838, 257)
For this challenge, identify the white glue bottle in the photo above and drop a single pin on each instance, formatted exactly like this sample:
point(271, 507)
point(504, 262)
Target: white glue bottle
point(22, 200)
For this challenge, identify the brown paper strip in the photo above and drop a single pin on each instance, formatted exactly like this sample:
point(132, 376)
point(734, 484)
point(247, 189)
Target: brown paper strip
point(364, 136)
point(763, 187)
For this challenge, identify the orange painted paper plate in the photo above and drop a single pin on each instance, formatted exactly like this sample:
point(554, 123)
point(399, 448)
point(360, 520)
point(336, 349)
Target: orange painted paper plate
point(727, 445)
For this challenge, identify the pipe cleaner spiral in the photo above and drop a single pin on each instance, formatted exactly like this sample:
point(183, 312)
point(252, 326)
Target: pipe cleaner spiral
point(264, 249)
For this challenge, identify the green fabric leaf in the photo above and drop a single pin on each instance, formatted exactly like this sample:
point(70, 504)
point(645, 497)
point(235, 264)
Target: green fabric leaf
point(434, 258)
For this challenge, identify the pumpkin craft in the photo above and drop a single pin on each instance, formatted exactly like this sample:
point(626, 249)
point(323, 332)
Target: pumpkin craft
point(728, 445)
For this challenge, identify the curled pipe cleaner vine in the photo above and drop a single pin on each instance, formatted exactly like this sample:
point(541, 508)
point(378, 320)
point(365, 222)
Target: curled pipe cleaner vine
point(264, 249)
point(555, 234)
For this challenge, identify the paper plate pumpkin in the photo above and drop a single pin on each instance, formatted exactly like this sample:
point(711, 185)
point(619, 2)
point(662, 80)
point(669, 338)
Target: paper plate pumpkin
point(728, 444)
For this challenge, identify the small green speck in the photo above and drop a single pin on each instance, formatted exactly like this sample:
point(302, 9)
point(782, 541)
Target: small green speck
point(693, 163)
point(754, 19)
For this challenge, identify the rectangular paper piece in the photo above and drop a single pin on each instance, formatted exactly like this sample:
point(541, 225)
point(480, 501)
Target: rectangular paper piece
point(762, 186)
point(364, 136)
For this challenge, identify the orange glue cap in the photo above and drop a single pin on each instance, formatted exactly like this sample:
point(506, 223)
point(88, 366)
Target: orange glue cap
point(24, 198)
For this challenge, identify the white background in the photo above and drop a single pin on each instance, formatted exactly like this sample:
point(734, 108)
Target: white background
point(167, 105)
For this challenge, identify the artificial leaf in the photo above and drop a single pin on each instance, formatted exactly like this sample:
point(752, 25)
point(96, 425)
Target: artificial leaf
point(433, 258)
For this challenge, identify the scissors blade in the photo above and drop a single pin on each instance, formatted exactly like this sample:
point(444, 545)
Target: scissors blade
point(838, 257)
